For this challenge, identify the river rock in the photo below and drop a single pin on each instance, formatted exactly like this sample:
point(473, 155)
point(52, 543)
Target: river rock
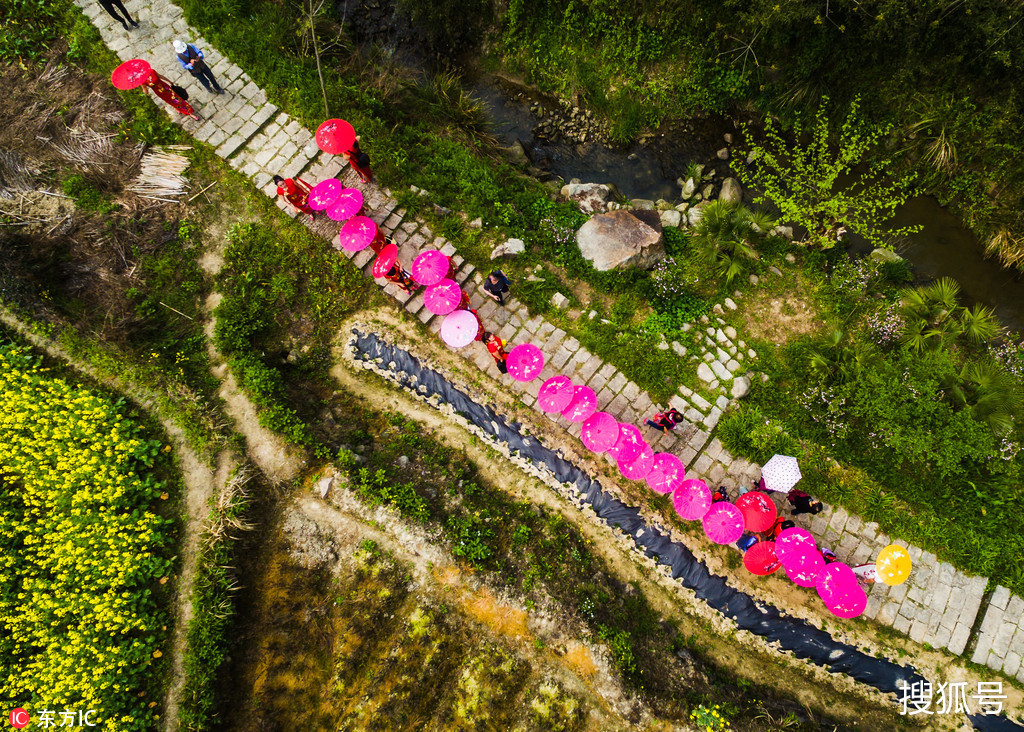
point(723, 154)
point(517, 153)
point(706, 191)
point(621, 239)
point(662, 205)
point(740, 387)
point(560, 301)
point(689, 188)
point(695, 213)
point(510, 248)
point(643, 204)
point(732, 191)
point(671, 218)
point(885, 255)
point(591, 198)
point(786, 232)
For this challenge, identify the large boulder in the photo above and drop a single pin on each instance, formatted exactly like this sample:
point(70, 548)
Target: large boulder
point(732, 191)
point(509, 248)
point(590, 197)
point(622, 239)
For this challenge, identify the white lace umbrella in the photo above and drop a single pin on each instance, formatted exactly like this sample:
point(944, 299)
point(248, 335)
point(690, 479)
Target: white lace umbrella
point(780, 473)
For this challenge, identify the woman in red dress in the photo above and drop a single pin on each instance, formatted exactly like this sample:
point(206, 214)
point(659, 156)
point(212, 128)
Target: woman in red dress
point(162, 88)
point(400, 277)
point(360, 162)
point(496, 349)
point(295, 192)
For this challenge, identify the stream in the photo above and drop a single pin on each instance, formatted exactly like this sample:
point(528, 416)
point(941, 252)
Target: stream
point(943, 248)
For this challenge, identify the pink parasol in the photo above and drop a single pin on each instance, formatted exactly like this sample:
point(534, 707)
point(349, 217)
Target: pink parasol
point(459, 329)
point(325, 193)
point(667, 474)
point(555, 394)
point(131, 74)
point(443, 297)
point(385, 260)
point(761, 559)
point(629, 444)
point(349, 203)
point(639, 468)
point(600, 432)
point(335, 136)
point(430, 267)
point(524, 362)
point(837, 586)
point(692, 499)
point(723, 523)
point(583, 404)
point(803, 566)
point(758, 510)
point(792, 542)
point(362, 229)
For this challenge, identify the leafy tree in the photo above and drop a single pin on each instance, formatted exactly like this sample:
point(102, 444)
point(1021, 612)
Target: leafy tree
point(934, 319)
point(725, 236)
point(829, 188)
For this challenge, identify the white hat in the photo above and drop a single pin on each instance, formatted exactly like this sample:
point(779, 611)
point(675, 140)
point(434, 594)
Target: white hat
point(179, 46)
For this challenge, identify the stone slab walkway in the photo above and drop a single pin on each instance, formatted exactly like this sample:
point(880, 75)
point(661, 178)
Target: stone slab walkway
point(939, 605)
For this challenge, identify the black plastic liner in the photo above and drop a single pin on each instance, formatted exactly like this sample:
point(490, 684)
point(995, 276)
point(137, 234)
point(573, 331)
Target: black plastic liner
point(792, 634)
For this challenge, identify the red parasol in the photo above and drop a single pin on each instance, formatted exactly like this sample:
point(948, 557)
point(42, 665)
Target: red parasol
point(758, 510)
point(793, 542)
point(131, 74)
point(443, 297)
point(349, 203)
point(667, 474)
point(761, 559)
point(600, 432)
point(385, 260)
point(723, 523)
point(459, 329)
point(555, 394)
point(803, 566)
point(583, 404)
point(692, 499)
point(629, 444)
point(324, 193)
point(335, 136)
point(639, 468)
point(430, 267)
point(524, 362)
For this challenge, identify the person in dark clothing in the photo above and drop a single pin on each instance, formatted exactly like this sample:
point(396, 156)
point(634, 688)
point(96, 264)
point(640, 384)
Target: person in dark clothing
point(803, 503)
point(720, 494)
point(109, 6)
point(193, 60)
point(746, 541)
point(828, 555)
point(496, 285)
point(663, 421)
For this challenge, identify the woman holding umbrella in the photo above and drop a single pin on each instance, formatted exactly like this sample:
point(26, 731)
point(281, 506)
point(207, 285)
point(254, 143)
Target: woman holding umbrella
point(400, 277)
point(295, 192)
point(162, 88)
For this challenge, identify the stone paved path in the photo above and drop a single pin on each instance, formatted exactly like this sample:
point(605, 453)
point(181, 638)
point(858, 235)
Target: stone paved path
point(939, 605)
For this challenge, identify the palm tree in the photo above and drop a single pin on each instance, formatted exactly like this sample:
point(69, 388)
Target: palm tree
point(725, 236)
point(930, 315)
point(979, 324)
point(990, 393)
point(831, 360)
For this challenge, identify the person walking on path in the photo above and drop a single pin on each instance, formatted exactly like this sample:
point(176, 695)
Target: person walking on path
point(193, 60)
point(496, 286)
point(295, 192)
point(496, 349)
point(781, 524)
point(746, 541)
point(360, 162)
point(664, 421)
point(110, 5)
point(803, 503)
point(173, 95)
point(400, 277)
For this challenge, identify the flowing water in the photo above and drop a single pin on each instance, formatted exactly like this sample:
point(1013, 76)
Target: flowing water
point(943, 248)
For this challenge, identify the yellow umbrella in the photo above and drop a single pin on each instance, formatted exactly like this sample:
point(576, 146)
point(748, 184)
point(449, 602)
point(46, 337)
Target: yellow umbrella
point(893, 565)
